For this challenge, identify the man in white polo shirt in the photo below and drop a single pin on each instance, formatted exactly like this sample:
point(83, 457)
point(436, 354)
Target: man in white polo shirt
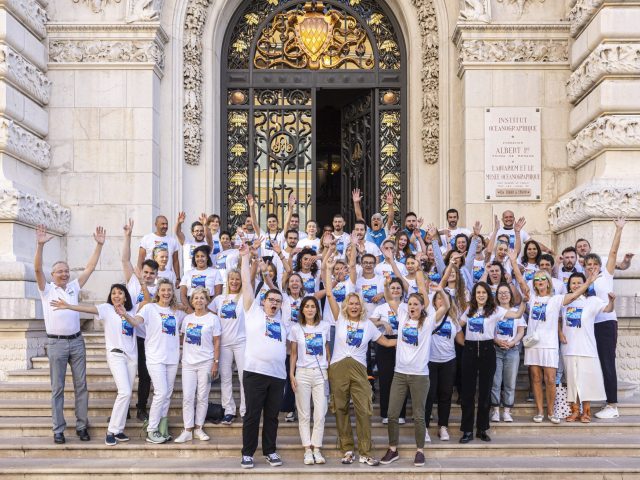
point(65, 344)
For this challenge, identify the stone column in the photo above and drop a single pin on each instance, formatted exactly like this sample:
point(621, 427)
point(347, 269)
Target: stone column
point(24, 156)
point(604, 90)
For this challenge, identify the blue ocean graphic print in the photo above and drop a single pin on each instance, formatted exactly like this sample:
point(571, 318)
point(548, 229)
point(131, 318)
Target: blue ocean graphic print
point(310, 286)
point(160, 244)
point(591, 291)
point(354, 336)
point(476, 324)
point(268, 245)
point(340, 292)
point(295, 310)
point(216, 247)
point(505, 327)
point(140, 297)
point(313, 343)
point(539, 312)
point(368, 292)
point(228, 309)
point(191, 249)
point(127, 328)
point(168, 324)
point(340, 247)
point(273, 330)
point(434, 276)
point(512, 241)
point(194, 334)
point(261, 295)
point(478, 271)
point(528, 274)
point(445, 330)
point(221, 262)
point(574, 317)
point(410, 335)
point(393, 319)
point(198, 281)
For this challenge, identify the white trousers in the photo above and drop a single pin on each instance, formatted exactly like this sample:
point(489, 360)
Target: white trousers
point(310, 383)
point(123, 368)
point(163, 377)
point(196, 384)
point(228, 354)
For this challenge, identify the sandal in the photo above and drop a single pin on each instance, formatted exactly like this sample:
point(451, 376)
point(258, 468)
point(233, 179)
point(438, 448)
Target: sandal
point(348, 458)
point(586, 413)
point(575, 413)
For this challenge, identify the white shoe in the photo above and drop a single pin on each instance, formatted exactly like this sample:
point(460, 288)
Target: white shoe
point(385, 421)
point(443, 433)
point(318, 458)
point(401, 421)
point(308, 457)
point(506, 416)
point(495, 414)
point(199, 434)
point(427, 438)
point(609, 411)
point(185, 436)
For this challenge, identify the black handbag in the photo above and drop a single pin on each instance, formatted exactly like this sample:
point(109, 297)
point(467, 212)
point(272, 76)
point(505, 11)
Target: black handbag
point(215, 412)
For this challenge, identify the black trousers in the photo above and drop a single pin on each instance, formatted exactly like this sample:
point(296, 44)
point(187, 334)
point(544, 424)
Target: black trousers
point(459, 349)
point(144, 380)
point(289, 398)
point(442, 377)
point(478, 368)
point(386, 362)
point(606, 334)
point(263, 396)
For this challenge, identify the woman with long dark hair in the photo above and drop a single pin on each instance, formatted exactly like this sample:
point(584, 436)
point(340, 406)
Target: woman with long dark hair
point(530, 259)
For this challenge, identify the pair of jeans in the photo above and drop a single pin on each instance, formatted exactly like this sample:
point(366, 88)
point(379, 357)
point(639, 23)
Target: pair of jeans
point(72, 352)
point(144, 380)
point(418, 387)
point(504, 380)
point(229, 353)
point(310, 387)
point(606, 334)
point(478, 368)
point(123, 368)
point(196, 384)
point(263, 394)
point(163, 376)
point(442, 376)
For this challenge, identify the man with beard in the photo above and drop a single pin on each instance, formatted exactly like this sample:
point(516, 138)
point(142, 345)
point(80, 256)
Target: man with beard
point(378, 231)
point(160, 239)
point(201, 236)
point(452, 228)
point(583, 248)
point(568, 265)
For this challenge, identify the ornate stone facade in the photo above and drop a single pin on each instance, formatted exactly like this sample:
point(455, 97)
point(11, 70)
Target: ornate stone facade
point(24, 145)
point(581, 12)
point(32, 13)
point(513, 51)
point(28, 209)
point(24, 74)
point(106, 51)
point(520, 5)
point(475, 11)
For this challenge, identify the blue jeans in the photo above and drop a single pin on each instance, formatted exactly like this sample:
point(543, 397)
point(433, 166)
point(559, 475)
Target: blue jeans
point(507, 363)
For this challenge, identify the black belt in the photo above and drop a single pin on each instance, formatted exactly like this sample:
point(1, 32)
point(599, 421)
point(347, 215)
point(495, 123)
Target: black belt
point(65, 337)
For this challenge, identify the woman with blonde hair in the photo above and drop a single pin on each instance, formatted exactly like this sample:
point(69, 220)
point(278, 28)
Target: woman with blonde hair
point(348, 371)
point(200, 359)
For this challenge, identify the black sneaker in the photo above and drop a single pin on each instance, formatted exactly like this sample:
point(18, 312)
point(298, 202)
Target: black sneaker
point(83, 434)
point(274, 459)
point(246, 462)
point(227, 419)
point(418, 461)
point(142, 414)
point(59, 438)
point(390, 456)
point(121, 437)
point(110, 440)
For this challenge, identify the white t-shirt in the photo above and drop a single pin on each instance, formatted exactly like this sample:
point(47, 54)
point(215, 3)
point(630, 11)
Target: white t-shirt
point(601, 289)
point(152, 241)
point(60, 322)
point(308, 243)
point(386, 314)
point(168, 274)
point(187, 253)
point(507, 328)
point(230, 313)
point(340, 291)
point(453, 234)
point(559, 287)
point(310, 284)
point(412, 351)
point(291, 308)
point(529, 270)
point(198, 332)
point(118, 332)
point(266, 348)
point(543, 319)
point(383, 267)
point(226, 259)
point(266, 249)
point(443, 342)
point(478, 269)
point(135, 291)
point(564, 276)
point(372, 248)
point(369, 288)
point(352, 339)
point(480, 327)
point(524, 236)
point(162, 344)
point(578, 319)
point(342, 242)
point(312, 342)
point(216, 244)
point(208, 278)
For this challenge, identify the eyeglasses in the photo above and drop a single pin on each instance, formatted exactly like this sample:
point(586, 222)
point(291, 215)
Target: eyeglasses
point(368, 263)
point(273, 300)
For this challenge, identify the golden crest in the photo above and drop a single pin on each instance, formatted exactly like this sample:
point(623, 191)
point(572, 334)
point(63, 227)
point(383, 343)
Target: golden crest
point(389, 119)
point(313, 32)
point(389, 150)
point(281, 144)
point(390, 179)
point(238, 178)
point(238, 150)
point(238, 208)
point(238, 119)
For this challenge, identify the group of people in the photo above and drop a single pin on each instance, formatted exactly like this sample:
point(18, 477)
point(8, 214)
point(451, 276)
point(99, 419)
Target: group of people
point(308, 318)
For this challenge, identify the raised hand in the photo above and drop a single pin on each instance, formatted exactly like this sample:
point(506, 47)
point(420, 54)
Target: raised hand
point(519, 224)
point(620, 222)
point(356, 195)
point(513, 256)
point(128, 228)
point(250, 200)
point(432, 231)
point(292, 200)
point(455, 256)
point(477, 228)
point(275, 246)
point(42, 236)
point(331, 262)
point(389, 198)
point(420, 222)
point(243, 250)
point(120, 310)
point(628, 257)
point(393, 230)
point(100, 235)
point(496, 223)
point(203, 219)
point(182, 216)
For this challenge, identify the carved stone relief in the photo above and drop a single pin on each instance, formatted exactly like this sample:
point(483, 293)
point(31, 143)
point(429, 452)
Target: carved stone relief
point(608, 131)
point(475, 11)
point(106, 51)
point(606, 59)
point(143, 10)
point(26, 208)
point(24, 74)
point(581, 12)
point(97, 6)
point(520, 5)
point(514, 50)
point(31, 12)
point(24, 145)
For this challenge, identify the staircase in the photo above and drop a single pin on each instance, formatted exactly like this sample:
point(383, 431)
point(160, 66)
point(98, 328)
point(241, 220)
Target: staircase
point(522, 449)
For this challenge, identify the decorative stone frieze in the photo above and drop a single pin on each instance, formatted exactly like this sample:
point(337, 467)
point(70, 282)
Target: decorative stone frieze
point(520, 5)
point(581, 13)
point(106, 51)
point(605, 132)
point(23, 145)
point(29, 209)
point(143, 10)
point(513, 50)
point(475, 11)
point(599, 199)
point(628, 356)
point(97, 6)
point(30, 12)
point(23, 74)
point(606, 59)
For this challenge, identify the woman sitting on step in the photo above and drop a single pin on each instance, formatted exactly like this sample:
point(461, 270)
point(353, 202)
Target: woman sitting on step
point(122, 351)
point(200, 359)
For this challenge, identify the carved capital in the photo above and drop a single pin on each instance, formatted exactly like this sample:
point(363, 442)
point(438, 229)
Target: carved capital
point(606, 59)
point(596, 200)
point(26, 208)
point(25, 75)
point(31, 13)
point(513, 50)
point(581, 13)
point(606, 132)
point(25, 146)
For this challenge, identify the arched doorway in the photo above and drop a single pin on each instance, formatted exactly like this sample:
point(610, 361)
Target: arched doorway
point(313, 103)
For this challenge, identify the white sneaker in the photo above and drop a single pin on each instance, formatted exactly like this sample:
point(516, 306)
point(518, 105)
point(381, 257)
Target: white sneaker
point(318, 458)
point(401, 421)
point(506, 416)
point(308, 457)
point(609, 411)
point(443, 433)
point(385, 421)
point(185, 436)
point(427, 438)
point(495, 414)
point(199, 434)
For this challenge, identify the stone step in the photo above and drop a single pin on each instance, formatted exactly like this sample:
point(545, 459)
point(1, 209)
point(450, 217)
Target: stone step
point(501, 446)
point(517, 467)
point(16, 427)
